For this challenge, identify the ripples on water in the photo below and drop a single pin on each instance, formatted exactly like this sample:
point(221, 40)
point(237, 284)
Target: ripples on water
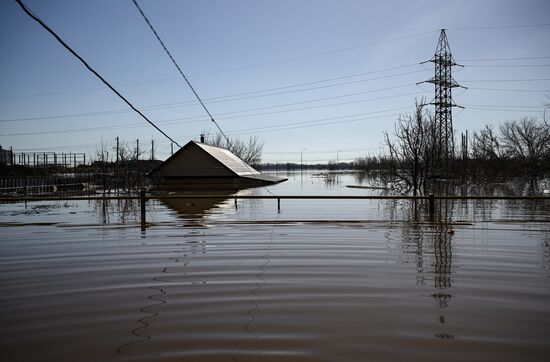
point(319, 281)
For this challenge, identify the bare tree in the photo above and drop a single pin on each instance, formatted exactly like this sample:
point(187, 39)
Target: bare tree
point(485, 144)
point(250, 151)
point(410, 151)
point(102, 153)
point(125, 152)
point(527, 139)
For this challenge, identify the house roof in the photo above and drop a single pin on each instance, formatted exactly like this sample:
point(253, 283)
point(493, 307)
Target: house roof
point(229, 160)
point(213, 162)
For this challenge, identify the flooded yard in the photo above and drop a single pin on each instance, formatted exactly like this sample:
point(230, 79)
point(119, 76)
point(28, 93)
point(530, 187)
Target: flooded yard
point(319, 280)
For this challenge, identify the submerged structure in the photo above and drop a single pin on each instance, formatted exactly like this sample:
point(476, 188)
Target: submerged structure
point(200, 166)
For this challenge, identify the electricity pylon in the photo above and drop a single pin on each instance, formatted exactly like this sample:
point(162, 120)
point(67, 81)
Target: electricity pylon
point(443, 100)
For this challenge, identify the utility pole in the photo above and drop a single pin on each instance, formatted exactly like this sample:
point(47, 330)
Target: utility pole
point(117, 149)
point(171, 148)
point(152, 150)
point(137, 149)
point(443, 100)
point(302, 159)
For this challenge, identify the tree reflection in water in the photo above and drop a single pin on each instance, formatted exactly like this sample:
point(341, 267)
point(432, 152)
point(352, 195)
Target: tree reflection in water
point(122, 211)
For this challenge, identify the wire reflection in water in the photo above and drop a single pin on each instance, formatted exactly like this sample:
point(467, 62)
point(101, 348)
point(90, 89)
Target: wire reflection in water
point(255, 301)
point(160, 291)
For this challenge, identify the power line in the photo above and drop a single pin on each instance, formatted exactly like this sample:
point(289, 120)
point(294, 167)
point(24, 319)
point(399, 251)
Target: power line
point(80, 129)
point(500, 106)
point(505, 80)
point(258, 91)
point(294, 126)
point(506, 109)
point(76, 130)
point(319, 106)
point(502, 59)
point(302, 124)
point(58, 38)
point(179, 69)
point(81, 145)
point(327, 86)
point(213, 99)
point(104, 128)
point(321, 151)
point(123, 85)
point(190, 119)
point(193, 119)
point(321, 121)
point(328, 52)
point(507, 66)
point(177, 104)
point(496, 27)
point(511, 90)
point(222, 100)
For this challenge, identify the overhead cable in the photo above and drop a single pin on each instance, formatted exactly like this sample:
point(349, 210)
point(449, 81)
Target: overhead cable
point(58, 38)
point(179, 104)
point(496, 27)
point(505, 80)
point(217, 97)
point(271, 89)
point(502, 59)
point(128, 126)
point(179, 70)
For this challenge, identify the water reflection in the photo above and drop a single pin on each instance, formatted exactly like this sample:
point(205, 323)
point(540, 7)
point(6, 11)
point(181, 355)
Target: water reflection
point(546, 253)
point(174, 274)
point(121, 211)
point(331, 180)
point(519, 186)
point(194, 210)
point(243, 345)
point(443, 263)
point(156, 299)
point(426, 241)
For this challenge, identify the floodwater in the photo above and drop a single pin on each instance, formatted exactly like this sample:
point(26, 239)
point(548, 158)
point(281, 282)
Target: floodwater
point(321, 280)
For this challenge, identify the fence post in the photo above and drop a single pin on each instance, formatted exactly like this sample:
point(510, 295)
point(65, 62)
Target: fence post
point(431, 204)
point(143, 214)
point(278, 205)
point(235, 203)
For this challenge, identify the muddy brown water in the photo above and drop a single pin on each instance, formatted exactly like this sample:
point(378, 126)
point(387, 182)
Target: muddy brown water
point(319, 281)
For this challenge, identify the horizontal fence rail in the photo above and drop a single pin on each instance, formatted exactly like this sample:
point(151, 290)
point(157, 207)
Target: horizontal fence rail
point(264, 197)
point(143, 197)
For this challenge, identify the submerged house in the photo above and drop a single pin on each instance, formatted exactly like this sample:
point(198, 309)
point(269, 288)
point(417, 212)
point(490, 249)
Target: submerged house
point(200, 166)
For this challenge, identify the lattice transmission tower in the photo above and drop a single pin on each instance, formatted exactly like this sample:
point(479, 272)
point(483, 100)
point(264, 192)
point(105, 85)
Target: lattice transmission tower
point(443, 100)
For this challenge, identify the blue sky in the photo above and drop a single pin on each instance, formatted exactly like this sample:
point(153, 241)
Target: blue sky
point(316, 75)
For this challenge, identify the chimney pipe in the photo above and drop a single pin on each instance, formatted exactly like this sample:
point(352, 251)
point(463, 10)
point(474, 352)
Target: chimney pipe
point(202, 137)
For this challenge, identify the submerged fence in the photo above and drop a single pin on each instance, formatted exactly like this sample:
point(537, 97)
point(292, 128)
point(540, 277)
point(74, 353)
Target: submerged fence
point(48, 185)
point(143, 197)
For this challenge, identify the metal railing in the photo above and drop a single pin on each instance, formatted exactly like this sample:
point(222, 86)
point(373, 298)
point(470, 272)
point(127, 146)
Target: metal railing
point(143, 197)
